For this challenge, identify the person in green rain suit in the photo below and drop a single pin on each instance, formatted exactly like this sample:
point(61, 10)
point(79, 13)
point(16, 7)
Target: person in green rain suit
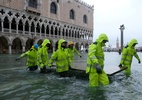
point(32, 57)
point(43, 55)
point(95, 62)
point(127, 55)
point(72, 50)
point(61, 57)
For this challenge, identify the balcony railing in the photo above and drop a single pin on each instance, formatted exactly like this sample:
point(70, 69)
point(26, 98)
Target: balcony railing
point(42, 35)
point(34, 10)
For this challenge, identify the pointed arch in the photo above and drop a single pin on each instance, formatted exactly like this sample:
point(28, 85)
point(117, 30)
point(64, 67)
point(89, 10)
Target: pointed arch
point(67, 34)
point(32, 27)
point(72, 14)
point(13, 24)
point(16, 45)
point(85, 19)
point(52, 30)
point(47, 29)
point(27, 26)
point(56, 30)
point(53, 8)
point(38, 28)
point(20, 25)
point(4, 44)
point(42, 29)
point(6, 22)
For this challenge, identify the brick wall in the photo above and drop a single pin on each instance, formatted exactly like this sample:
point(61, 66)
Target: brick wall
point(64, 7)
point(14, 4)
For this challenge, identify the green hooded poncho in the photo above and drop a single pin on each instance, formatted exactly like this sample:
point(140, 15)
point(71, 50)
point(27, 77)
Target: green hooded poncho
point(61, 57)
point(43, 54)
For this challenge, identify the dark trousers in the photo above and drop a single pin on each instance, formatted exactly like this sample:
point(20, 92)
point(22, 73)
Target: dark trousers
point(65, 74)
point(33, 68)
point(43, 70)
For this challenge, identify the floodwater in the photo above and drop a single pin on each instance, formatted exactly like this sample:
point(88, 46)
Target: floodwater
point(16, 83)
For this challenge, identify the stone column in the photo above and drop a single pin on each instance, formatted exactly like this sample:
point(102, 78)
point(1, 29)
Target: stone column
point(53, 48)
point(87, 36)
point(45, 32)
point(53, 31)
point(65, 33)
point(71, 34)
point(40, 32)
point(29, 29)
point(2, 26)
point(122, 29)
point(23, 28)
point(23, 48)
point(49, 31)
point(17, 27)
point(9, 26)
point(75, 32)
point(68, 35)
point(35, 30)
point(83, 36)
point(74, 35)
point(58, 30)
point(79, 34)
point(10, 50)
point(61, 32)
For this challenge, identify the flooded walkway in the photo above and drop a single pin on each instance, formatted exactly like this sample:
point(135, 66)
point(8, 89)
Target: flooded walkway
point(16, 83)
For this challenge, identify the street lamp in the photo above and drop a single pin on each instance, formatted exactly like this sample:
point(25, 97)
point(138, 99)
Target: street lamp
point(122, 29)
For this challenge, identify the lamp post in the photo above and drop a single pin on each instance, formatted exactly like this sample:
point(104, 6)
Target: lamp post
point(122, 29)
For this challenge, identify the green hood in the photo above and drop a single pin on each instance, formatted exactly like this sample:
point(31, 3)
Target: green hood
point(60, 42)
point(102, 37)
point(133, 41)
point(46, 41)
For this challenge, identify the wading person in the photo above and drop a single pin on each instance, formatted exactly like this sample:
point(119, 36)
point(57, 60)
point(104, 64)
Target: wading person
point(127, 55)
point(95, 62)
point(43, 55)
point(61, 57)
point(32, 57)
point(72, 50)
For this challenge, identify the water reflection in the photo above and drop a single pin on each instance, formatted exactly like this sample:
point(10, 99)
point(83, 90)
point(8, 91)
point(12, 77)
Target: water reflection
point(19, 84)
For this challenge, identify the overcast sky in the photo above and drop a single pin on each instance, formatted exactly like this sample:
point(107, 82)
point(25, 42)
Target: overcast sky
point(110, 14)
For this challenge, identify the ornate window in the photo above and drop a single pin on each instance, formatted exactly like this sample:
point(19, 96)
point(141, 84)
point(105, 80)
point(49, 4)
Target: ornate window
point(33, 3)
point(85, 19)
point(53, 8)
point(71, 14)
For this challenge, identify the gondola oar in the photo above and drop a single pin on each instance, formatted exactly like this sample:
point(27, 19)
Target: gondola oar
point(123, 68)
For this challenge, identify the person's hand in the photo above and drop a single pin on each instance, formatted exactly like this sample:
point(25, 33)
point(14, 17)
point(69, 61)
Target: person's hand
point(139, 61)
point(17, 58)
point(99, 69)
point(120, 65)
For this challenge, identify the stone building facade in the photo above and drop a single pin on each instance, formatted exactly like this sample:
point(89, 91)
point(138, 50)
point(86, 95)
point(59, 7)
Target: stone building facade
point(22, 21)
